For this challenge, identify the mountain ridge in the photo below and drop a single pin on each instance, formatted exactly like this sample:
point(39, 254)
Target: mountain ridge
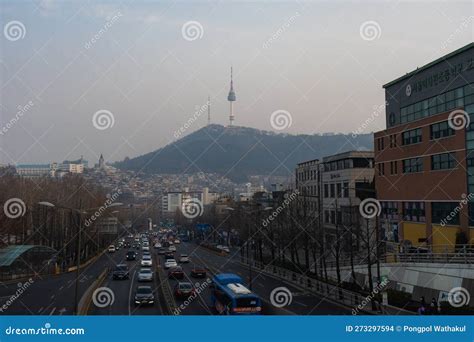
point(239, 152)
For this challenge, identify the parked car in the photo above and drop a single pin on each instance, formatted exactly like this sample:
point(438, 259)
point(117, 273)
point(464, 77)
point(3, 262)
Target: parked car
point(170, 263)
point(111, 249)
point(145, 274)
point(144, 295)
point(198, 272)
point(146, 260)
point(131, 255)
point(183, 290)
point(120, 272)
point(184, 259)
point(176, 273)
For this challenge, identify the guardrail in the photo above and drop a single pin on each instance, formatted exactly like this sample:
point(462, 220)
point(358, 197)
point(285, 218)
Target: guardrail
point(165, 289)
point(358, 302)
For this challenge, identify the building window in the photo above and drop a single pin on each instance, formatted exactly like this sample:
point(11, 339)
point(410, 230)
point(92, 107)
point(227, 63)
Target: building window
point(412, 136)
point(443, 161)
point(440, 130)
point(326, 190)
point(339, 217)
point(346, 189)
point(332, 191)
point(381, 168)
point(389, 210)
point(326, 216)
point(445, 213)
point(339, 189)
point(380, 144)
point(393, 167)
point(393, 140)
point(412, 165)
point(414, 211)
point(471, 213)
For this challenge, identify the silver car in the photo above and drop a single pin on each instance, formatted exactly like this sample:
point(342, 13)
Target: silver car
point(145, 274)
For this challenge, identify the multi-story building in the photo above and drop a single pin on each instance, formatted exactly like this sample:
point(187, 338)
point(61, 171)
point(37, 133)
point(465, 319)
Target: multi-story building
point(425, 158)
point(346, 179)
point(307, 184)
point(173, 200)
point(36, 170)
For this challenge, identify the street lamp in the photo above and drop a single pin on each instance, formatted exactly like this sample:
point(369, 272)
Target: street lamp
point(249, 237)
point(80, 211)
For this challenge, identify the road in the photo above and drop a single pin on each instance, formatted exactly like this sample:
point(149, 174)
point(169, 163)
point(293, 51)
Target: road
point(54, 295)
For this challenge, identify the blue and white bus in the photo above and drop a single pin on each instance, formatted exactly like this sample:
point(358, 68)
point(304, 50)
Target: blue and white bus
point(230, 297)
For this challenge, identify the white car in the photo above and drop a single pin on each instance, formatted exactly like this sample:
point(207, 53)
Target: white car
point(170, 263)
point(183, 259)
point(146, 260)
point(146, 248)
point(157, 245)
point(225, 249)
point(145, 274)
point(172, 248)
point(111, 249)
point(177, 242)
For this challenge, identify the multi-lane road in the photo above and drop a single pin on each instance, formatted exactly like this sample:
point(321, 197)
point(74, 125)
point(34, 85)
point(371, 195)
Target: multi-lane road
point(54, 295)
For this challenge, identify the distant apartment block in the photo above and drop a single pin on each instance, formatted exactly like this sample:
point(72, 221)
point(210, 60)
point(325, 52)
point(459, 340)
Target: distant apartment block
point(173, 200)
point(425, 158)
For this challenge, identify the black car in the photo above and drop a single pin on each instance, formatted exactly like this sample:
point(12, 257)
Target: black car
point(131, 255)
point(144, 295)
point(161, 251)
point(120, 272)
point(169, 256)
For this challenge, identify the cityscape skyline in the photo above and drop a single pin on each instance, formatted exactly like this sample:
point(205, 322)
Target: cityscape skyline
point(156, 87)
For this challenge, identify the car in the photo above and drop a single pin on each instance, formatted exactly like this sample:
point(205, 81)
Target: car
point(128, 244)
point(145, 248)
point(225, 249)
point(145, 274)
point(146, 253)
point(161, 251)
point(157, 245)
point(120, 272)
point(111, 249)
point(183, 290)
point(146, 260)
point(184, 259)
point(131, 255)
point(172, 248)
point(170, 263)
point(198, 272)
point(177, 242)
point(136, 246)
point(144, 295)
point(175, 273)
point(169, 256)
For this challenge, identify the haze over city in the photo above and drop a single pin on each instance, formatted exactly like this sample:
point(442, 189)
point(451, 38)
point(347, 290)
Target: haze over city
point(310, 59)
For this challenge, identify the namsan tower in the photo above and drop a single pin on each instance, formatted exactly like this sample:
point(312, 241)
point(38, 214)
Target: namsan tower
point(231, 98)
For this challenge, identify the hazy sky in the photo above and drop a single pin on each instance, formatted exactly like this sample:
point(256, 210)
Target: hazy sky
point(322, 62)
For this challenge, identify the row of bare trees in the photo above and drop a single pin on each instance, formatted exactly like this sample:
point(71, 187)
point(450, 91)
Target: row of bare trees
point(53, 226)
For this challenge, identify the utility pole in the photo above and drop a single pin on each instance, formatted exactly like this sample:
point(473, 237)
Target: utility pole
point(78, 257)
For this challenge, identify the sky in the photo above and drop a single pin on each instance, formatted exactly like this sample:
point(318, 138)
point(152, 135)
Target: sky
point(121, 78)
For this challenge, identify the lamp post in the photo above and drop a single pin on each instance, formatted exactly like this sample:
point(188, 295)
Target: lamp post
point(79, 211)
point(249, 231)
